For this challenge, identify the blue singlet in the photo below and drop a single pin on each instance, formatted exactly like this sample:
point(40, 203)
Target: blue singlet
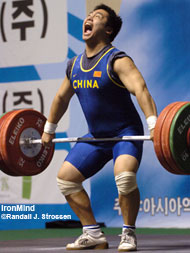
point(109, 112)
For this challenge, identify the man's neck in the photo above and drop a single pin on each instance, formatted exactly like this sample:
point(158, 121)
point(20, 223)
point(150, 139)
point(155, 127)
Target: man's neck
point(92, 50)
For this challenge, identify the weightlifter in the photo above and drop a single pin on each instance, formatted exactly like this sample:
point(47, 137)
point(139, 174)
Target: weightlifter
point(103, 78)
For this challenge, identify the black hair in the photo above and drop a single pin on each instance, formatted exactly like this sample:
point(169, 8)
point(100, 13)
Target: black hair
point(114, 21)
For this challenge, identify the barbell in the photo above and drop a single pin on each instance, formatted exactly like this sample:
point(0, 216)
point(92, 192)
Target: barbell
point(22, 154)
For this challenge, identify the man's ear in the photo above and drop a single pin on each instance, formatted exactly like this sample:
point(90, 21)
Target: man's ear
point(109, 30)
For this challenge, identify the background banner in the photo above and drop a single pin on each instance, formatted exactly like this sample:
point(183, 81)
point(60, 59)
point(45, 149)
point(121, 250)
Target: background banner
point(155, 34)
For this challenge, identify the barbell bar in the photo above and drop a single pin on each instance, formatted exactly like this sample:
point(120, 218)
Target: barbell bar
point(22, 154)
point(89, 139)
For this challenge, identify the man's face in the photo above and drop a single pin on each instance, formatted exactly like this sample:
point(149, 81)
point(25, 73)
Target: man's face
point(94, 25)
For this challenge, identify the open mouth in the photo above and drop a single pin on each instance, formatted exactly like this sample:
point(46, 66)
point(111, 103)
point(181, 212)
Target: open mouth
point(87, 28)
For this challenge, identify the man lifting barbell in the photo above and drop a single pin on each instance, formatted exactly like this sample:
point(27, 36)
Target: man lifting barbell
point(21, 152)
point(103, 79)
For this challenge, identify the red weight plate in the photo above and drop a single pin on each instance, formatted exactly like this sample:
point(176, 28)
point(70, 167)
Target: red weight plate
point(3, 166)
point(26, 160)
point(165, 134)
point(157, 136)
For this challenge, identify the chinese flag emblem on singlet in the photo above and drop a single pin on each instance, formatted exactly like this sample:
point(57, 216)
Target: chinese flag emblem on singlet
point(97, 74)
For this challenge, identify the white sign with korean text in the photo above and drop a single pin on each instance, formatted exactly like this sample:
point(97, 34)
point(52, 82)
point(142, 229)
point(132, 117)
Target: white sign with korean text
point(41, 188)
point(32, 32)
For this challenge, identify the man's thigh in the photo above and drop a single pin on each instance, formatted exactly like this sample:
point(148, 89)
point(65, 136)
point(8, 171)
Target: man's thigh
point(88, 158)
point(127, 156)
